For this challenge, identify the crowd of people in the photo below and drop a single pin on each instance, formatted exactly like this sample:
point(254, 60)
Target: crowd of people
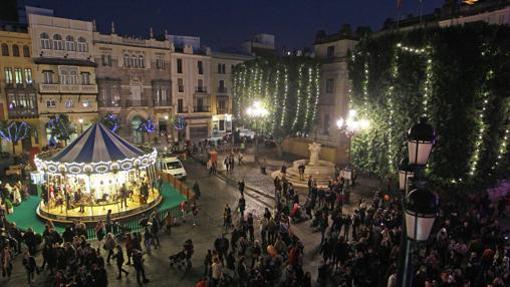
point(12, 193)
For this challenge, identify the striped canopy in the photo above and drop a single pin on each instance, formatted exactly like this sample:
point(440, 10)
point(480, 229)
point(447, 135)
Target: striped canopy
point(97, 144)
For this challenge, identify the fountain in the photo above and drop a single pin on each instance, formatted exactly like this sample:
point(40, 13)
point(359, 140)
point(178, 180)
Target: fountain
point(322, 171)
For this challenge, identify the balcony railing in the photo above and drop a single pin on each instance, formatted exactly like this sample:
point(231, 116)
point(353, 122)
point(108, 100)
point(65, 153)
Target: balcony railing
point(201, 90)
point(108, 104)
point(182, 111)
point(136, 103)
point(58, 88)
point(201, 109)
point(222, 90)
point(162, 103)
point(220, 111)
point(18, 113)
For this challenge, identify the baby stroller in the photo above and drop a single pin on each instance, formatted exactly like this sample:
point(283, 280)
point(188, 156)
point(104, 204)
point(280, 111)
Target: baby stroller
point(182, 260)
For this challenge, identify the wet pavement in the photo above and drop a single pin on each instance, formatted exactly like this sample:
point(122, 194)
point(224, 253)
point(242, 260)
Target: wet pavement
point(216, 191)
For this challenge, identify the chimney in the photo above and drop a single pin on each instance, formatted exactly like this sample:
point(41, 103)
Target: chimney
point(151, 33)
point(113, 28)
point(94, 26)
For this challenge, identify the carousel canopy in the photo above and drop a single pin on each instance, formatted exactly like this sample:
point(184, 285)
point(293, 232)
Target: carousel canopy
point(97, 144)
point(97, 150)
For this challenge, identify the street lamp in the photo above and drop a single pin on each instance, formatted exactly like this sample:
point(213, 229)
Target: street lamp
point(80, 120)
point(405, 173)
point(420, 139)
point(420, 206)
point(350, 126)
point(257, 111)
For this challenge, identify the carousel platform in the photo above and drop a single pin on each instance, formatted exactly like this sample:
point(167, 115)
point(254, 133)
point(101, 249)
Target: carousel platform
point(25, 214)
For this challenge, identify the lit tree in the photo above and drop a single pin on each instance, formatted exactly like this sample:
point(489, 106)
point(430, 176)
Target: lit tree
point(60, 128)
point(14, 132)
point(111, 121)
point(146, 127)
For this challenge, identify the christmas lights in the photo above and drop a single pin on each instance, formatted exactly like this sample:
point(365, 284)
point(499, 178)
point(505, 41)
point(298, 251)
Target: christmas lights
point(298, 105)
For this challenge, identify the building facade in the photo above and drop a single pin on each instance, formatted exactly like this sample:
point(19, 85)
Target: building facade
point(222, 65)
point(133, 76)
point(332, 51)
point(191, 78)
point(18, 95)
point(64, 70)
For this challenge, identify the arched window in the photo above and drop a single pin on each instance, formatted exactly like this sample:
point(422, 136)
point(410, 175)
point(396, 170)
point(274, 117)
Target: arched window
point(57, 42)
point(140, 59)
point(26, 51)
point(45, 41)
point(132, 63)
point(82, 45)
point(5, 50)
point(70, 44)
point(15, 50)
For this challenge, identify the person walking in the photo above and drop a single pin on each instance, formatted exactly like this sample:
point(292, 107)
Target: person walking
point(119, 259)
point(196, 190)
point(227, 217)
point(30, 266)
point(194, 212)
point(241, 184)
point(138, 265)
point(242, 207)
point(216, 272)
point(109, 245)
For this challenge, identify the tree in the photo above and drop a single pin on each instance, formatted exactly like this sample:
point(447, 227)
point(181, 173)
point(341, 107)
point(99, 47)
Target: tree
point(146, 127)
point(111, 121)
point(60, 127)
point(14, 132)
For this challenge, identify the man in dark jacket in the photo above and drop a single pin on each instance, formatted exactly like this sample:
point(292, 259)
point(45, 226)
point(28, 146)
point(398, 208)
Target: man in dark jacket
point(138, 265)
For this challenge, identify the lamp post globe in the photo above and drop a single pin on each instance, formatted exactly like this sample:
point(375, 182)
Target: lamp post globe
point(420, 140)
point(421, 208)
point(405, 174)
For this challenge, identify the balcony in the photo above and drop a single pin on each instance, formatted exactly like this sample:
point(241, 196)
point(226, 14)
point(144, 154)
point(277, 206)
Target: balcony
point(19, 113)
point(165, 103)
point(202, 90)
point(70, 89)
point(221, 111)
point(201, 109)
point(222, 90)
point(182, 111)
point(108, 104)
point(136, 103)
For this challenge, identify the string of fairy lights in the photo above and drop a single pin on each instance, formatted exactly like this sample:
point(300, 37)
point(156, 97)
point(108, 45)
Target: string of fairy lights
point(482, 125)
point(503, 143)
point(298, 105)
point(270, 83)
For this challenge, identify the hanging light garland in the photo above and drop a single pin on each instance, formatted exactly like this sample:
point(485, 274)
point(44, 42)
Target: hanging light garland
point(285, 93)
point(308, 100)
point(475, 158)
point(298, 92)
point(503, 143)
point(317, 92)
point(275, 101)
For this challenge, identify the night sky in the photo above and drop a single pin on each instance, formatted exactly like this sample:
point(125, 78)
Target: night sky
point(227, 23)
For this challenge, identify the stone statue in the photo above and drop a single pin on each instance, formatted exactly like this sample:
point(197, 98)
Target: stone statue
point(314, 149)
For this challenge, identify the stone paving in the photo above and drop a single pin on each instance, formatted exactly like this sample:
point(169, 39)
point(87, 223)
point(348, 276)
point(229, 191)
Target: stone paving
point(216, 192)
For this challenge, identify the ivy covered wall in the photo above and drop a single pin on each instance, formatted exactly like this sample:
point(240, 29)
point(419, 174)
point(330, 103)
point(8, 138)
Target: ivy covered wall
point(458, 77)
point(288, 87)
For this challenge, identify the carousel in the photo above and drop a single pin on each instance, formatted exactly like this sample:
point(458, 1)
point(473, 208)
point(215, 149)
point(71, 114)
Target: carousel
point(97, 173)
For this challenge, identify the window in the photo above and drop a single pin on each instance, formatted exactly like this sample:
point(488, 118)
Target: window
point(69, 104)
point(8, 76)
point(160, 64)
point(134, 60)
point(28, 76)
point(18, 76)
point(126, 60)
point(221, 86)
point(330, 85)
point(45, 41)
point(200, 68)
point(180, 85)
point(5, 50)
point(85, 78)
point(82, 45)
point(70, 44)
point(221, 68)
point(58, 44)
point(200, 87)
point(180, 106)
point(141, 61)
point(15, 50)
point(26, 51)
point(179, 66)
point(86, 103)
point(326, 124)
point(48, 77)
point(50, 103)
point(331, 52)
point(106, 60)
